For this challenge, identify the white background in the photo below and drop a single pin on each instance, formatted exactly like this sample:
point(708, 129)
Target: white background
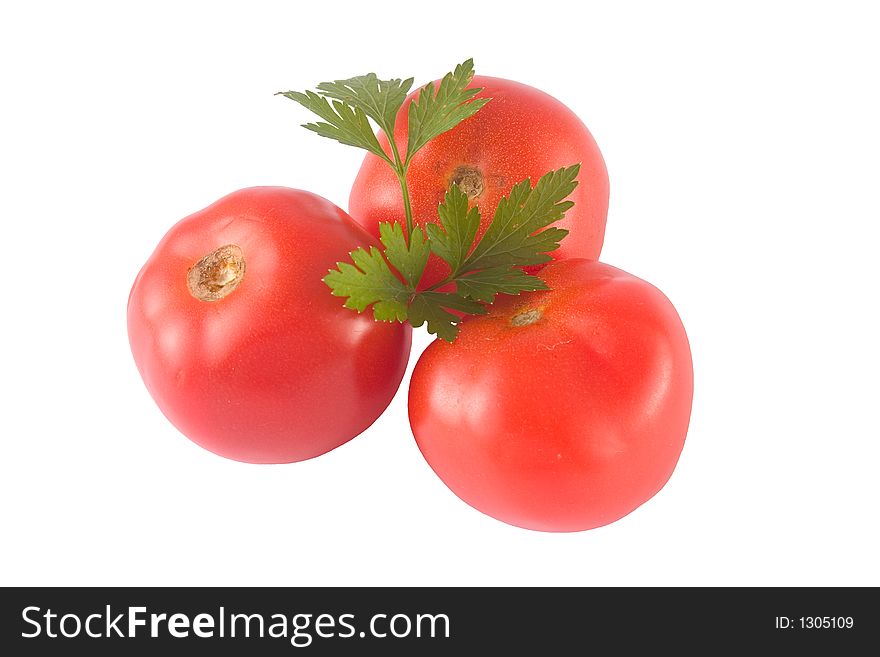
point(744, 154)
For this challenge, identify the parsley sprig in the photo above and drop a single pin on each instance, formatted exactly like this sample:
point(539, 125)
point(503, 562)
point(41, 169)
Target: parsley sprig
point(388, 280)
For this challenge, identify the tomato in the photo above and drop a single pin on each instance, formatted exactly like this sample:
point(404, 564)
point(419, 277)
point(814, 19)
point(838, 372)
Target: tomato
point(241, 344)
point(521, 133)
point(559, 410)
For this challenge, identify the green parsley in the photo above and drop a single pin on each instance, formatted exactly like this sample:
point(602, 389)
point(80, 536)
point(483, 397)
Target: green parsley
point(388, 280)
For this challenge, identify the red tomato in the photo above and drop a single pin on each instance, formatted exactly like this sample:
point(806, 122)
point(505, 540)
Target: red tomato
point(240, 342)
point(522, 133)
point(561, 410)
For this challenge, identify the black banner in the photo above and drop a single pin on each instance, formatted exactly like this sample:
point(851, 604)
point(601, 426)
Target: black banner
point(429, 621)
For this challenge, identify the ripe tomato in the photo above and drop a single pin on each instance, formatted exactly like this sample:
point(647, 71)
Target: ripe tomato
point(559, 410)
point(522, 133)
point(240, 342)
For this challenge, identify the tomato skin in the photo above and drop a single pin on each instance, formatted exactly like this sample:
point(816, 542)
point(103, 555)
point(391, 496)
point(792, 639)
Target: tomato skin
point(570, 422)
point(277, 371)
point(521, 133)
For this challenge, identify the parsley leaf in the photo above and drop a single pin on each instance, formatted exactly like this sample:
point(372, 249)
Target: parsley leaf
point(511, 238)
point(370, 281)
point(347, 125)
point(433, 114)
point(346, 107)
point(484, 284)
point(430, 308)
point(379, 99)
point(453, 238)
point(409, 259)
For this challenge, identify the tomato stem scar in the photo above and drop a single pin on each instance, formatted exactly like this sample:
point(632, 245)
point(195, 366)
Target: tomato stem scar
point(469, 180)
point(217, 274)
point(527, 317)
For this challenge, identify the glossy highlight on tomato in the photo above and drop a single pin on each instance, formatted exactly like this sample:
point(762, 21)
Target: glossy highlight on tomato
point(521, 133)
point(239, 341)
point(559, 410)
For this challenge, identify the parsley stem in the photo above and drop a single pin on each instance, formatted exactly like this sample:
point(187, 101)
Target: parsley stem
point(400, 168)
point(407, 205)
point(445, 281)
